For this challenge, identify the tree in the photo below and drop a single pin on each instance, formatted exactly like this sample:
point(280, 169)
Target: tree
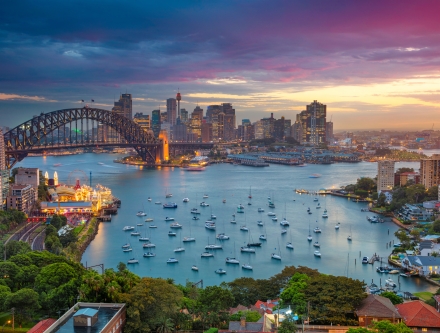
point(415, 193)
point(294, 294)
point(403, 237)
point(54, 275)
point(402, 170)
point(381, 200)
point(17, 247)
point(436, 226)
point(392, 297)
point(365, 183)
point(288, 325)
point(25, 301)
point(215, 299)
point(150, 302)
point(416, 235)
point(251, 316)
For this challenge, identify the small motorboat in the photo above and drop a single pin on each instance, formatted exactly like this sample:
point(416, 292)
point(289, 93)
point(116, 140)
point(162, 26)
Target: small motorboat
point(171, 233)
point(263, 237)
point(188, 239)
point(169, 218)
point(220, 271)
point(135, 233)
point(149, 254)
point(224, 200)
point(260, 223)
point(175, 225)
point(141, 213)
point(247, 266)
point(126, 246)
point(204, 204)
point(284, 222)
point(207, 254)
point(194, 268)
point(309, 238)
point(275, 219)
point(318, 206)
point(144, 239)
point(390, 283)
point(349, 238)
point(213, 247)
point(139, 224)
point(195, 211)
point(185, 200)
point(382, 269)
point(271, 214)
point(337, 226)
point(365, 260)
point(283, 231)
point(317, 230)
point(128, 227)
point(132, 261)
point(153, 226)
point(233, 221)
point(316, 244)
point(195, 218)
point(179, 249)
point(158, 203)
point(405, 274)
point(128, 249)
point(149, 199)
point(316, 199)
point(148, 219)
point(260, 210)
point(317, 254)
point(394, 271)
point(172, 261)
point(148, 245)
point(244, 228)
point(205, 196)
point(249, 204)
point(222, 236)
point(213, 217)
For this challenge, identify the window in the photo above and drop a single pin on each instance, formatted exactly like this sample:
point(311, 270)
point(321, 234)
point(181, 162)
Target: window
point(424, 329)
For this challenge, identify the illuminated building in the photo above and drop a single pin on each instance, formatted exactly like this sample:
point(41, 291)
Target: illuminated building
point(28, 176)
point(171, 111)
point(143, 120)
point(155, 122)
point(385, 175)
point(21, 197)
point(313, 121)
point(430, 171)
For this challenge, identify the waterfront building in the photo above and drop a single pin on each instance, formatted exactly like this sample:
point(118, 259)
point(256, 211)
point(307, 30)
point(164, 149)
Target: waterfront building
point(313, 121)
point(430, 171)
point(171, 110)
point(424, 265)
point(155, 122)
point(124, 106)
point(405, 177)
point(385, 175)
point(296, 131)
point(21, 197)
point(211, 111)
point(143, 120)
point(28, 176)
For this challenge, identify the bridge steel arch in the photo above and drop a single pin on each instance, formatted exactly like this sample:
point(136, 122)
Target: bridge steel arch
point(32, 135)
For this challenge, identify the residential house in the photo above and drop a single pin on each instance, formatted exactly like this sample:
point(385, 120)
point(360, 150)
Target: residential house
point(266, 306)
point(376, 308)
point(244, 326)
point(424, 265)
point(414, 213)
point(419, 316)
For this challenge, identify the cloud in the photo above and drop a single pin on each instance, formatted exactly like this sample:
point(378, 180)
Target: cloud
point(4, 97)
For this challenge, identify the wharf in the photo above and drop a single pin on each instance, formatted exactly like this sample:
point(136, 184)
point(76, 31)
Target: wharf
point(104, 218)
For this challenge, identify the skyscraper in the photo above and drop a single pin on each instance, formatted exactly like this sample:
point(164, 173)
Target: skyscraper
point(155, 122)
point(124, 106)
point(430, 171)
point(329, 131)
point(183, 116)
point(385, 175)
point(143, 120)
point(178, 98)
point(313, 123)
point(195, 123)
point(228, 122)
point(171, 111)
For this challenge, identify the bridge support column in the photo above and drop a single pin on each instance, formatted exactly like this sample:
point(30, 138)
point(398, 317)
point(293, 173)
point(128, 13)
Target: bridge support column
point(165, 151)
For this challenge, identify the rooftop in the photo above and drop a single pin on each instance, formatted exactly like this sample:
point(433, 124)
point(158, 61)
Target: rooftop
point(419, 314)
point(377, 306)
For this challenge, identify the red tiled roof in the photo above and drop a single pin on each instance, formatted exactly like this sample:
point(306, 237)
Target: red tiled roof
point(42, 326)
point(419, 314)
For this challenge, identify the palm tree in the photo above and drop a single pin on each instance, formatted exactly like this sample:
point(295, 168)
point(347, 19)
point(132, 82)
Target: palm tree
point(165, 325)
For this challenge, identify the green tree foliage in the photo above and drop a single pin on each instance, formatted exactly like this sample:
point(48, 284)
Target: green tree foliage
point(361, 193)
point(68, 238)
point(17, 247)
point(56, 221)
point(383, 151)
point(333, 299)
point(403, 170)
point(381, 200)
point(294, 293)
point(366, 184)
point(215, 299)
point(251, 316)
point(54, 275)
point(25, 301)
point(392, 297)
point(403, 237)
point(415, 193)
point(432, 193)
point(436, 226)
point(288, 325)
point(150, 302)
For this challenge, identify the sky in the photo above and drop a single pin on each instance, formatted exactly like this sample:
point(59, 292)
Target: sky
point(375, 64)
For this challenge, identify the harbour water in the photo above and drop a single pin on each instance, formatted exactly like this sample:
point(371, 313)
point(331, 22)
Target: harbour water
point(133, 185)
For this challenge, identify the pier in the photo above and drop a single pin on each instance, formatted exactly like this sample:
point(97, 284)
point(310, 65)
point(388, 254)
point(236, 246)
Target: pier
point(104, 218)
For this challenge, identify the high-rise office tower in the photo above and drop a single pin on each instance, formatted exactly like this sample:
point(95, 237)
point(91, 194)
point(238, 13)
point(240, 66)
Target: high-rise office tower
point(430, 171)
point(268, 126)
point(228, 122)
point(171, 111)
point(297, 131)
point(183, 116)
point(198, 112)
point(281, 128)
point(313, 122)
point(155, 122)
point(195, 123)
point(329, 131)
point(124, 106)
point(385, 175)
point(178, 98)
point(206, 132)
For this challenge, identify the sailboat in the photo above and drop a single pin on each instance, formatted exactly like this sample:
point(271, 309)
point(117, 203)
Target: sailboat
point(167, 194)
point(277, 256)
point(233, 260)
point(180, 248)
point(190, 238)
point(250, 192)
point(349, 236)
point(133, 261)
point(284, 222)
point(252, 243)
point(263, 236)
point(309, 237)
point(289, 245)
point(144, 238)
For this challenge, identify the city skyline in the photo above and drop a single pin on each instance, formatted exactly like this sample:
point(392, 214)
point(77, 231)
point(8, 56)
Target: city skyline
point(375, 65)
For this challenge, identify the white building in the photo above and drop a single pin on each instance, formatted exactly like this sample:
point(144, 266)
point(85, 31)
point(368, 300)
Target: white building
point(385, 175)
point(28, 176)
point(425, 265)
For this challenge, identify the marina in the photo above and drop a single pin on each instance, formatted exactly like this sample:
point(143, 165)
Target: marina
point(135, 185)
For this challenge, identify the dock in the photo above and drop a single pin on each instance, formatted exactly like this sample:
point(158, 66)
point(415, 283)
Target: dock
point(373, 258)
point(104, 218)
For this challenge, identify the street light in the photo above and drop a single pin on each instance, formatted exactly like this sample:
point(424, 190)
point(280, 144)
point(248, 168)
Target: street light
point(3, 328)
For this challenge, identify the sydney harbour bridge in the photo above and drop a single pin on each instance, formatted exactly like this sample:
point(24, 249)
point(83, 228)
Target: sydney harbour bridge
point(78, 128)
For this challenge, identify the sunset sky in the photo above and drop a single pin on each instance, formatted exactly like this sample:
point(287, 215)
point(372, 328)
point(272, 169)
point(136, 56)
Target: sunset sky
point(375, 64)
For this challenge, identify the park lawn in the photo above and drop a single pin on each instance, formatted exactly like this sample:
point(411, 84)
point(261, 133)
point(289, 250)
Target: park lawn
point(424, 295)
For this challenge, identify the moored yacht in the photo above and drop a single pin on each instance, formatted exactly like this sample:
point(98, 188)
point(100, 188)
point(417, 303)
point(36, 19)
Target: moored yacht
point(128, 227)
point(317, 254)
point(260, 210)
point(213, 247)
point(141, 213)
point(247, 249)
point(170, 205)
point(175, 225)
point(194, 268)
point(324, 214)
point(284, 222)
point(220, 271)
point(210, 225)
point(132, 261)
point(172, 261)
point(188, 239)
point(195, 211)
point(317, 230)
point(207, 254)
point(240, 208)
point(232, 260)
point(275, 256)
point(185, 200)
point(149, 254)
point(289, 245)
point(222, 236)
point(169, 218)
point(247, 266)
